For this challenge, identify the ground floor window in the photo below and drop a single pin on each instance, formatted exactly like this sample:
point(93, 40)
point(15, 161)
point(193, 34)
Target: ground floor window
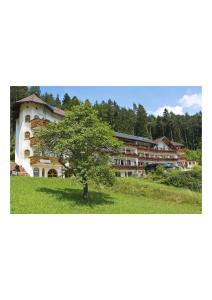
point(43, 172)
point(36, 172)
point(52, 173)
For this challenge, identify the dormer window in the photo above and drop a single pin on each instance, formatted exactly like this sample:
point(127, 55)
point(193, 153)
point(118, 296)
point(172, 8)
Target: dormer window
point(27, 135)
point(26, 153)
point(27, 118)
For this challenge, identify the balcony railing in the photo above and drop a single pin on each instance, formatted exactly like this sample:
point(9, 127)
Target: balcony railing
point(44, 160)
point(128, 167)
point(130, 154)
point(35, 123)
point(148, 149)
point(33, 141)
point(158, 158)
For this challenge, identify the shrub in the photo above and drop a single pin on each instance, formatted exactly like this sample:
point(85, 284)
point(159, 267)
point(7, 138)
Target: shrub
point(189, 179)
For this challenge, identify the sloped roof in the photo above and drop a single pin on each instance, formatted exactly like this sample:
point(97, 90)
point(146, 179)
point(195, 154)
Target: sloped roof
point(133, 137)
point(160, 139)
point(165, 139)
point(32, 98)
point(177, 144)
point(35, 99)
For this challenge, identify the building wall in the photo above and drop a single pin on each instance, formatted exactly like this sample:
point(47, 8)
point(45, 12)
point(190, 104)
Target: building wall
point(22, 144)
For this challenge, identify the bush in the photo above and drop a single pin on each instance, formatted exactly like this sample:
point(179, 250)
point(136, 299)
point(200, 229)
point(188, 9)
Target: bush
point(189, 179)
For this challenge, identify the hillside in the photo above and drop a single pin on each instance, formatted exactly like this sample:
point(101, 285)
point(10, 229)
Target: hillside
point(128, 195)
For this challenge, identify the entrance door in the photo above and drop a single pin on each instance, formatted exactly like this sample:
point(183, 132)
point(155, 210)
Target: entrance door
point(52, 173)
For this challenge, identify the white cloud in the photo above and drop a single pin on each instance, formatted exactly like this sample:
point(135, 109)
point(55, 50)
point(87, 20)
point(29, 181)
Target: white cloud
point(187, 101)
point(193, 100)
point(178, 110)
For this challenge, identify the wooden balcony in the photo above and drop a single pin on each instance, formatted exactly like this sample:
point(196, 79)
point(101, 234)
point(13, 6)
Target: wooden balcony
point(129, 154)
point(126, 167)
point(33, 141)
point(155, 150)
point(157, 159)
point(44, 160)
point(36, 123)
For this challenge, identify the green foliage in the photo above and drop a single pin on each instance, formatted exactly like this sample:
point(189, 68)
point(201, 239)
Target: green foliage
point(141, 122)
point(16, 93)
point(83, 143)
point(35, 90)
point(12, 147)
point(194, 155)
point(159, 170)
point(191, 179)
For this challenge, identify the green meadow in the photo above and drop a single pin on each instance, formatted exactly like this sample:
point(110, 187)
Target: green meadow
point(127, 196)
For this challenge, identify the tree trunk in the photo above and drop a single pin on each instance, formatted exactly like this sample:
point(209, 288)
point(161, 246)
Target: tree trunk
point(85, 191)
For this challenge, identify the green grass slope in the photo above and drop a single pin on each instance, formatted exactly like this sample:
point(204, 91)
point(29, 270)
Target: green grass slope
point(128, 195)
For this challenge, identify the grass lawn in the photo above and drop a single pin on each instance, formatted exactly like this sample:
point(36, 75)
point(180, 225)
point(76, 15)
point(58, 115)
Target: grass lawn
point(128, 195)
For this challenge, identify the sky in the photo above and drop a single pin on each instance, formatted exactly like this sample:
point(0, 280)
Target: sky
point(178, 99)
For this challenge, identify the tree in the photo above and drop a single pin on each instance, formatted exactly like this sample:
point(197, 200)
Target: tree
point(66, 101)
point(16, 93)
point(48, 98)
point(35, 90)
point(74, 101)
point(84, 145)
point(195, 155)
point(141, 122)
point(57, 101)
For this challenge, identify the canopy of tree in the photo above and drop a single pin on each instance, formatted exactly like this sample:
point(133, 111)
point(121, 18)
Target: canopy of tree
point(82, 143)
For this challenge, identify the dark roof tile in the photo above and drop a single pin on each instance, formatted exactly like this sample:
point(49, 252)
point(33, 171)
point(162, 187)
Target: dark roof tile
point(133, 137)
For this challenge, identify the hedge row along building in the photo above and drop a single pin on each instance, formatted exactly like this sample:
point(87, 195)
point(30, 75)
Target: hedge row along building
point(137, 152)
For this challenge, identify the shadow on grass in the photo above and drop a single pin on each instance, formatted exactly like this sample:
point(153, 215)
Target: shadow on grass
point(75, 195)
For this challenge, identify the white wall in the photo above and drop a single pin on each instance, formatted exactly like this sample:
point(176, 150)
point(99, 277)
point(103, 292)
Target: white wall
point(31, 109)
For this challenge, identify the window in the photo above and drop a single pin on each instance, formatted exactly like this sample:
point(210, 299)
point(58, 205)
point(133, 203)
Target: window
point(52, 173)
point(26, 153)
point(36, 172)
point(27, 135)
point(27, 118)
point(43, 172)
point(36, 117)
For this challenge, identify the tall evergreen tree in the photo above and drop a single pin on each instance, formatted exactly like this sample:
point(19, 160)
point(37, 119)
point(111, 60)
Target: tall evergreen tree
point(141, 122)
point(35, 90)
point(58, 102)
point(66, 101)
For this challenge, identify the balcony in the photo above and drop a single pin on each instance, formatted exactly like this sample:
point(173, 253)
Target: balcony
point(131, 154)
point(33, 141)
point(36, 123)
point(158, 158)
point(44, 160)
point(126, 167)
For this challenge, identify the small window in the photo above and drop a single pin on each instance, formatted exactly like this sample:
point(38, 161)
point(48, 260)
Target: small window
point(26, 153)
point(27, 135)
point(36, 172)
point(36, 117)
point(27, 118)
point(43, 172)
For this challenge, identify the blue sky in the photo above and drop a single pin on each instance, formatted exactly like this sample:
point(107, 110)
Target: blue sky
point(179, 99)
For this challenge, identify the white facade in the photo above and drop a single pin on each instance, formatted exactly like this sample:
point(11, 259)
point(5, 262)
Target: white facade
point(33, 110)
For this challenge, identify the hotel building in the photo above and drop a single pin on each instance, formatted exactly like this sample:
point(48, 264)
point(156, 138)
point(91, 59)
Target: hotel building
point(137, 152)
